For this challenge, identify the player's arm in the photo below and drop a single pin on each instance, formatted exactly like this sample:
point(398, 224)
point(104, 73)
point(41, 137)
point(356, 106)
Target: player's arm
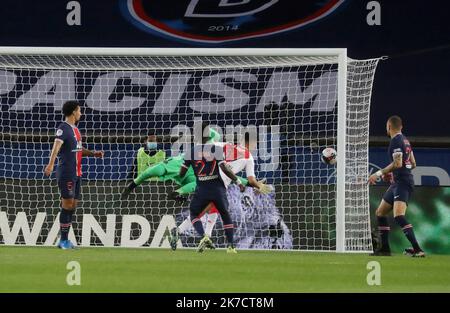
point(253, 182)
point(250, 171)
point(413, 160)
point(55, 150)
point(262, 188)
point(90, 153)
point(227, 171)
point(395, 164)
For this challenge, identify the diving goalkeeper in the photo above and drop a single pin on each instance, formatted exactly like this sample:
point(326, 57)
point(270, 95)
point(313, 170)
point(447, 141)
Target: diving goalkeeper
point(169, 170)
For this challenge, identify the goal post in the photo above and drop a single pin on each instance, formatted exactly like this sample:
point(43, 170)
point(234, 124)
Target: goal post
point(296, 101)
point(341, 146)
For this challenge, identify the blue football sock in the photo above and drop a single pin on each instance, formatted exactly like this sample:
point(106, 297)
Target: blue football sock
point(227, 226)
point(65, 220)
point(383, 230)
point(198, 226)
point(408, 231)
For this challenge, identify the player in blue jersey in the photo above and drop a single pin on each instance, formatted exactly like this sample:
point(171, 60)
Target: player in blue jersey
point(68, 145)
point(399, 193)
point(206, 159)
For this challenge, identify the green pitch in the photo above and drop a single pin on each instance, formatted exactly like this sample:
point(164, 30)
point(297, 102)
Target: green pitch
point(42, 269)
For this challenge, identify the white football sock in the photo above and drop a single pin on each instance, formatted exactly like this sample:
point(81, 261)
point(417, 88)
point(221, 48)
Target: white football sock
point(185, 225)
point(212, 218)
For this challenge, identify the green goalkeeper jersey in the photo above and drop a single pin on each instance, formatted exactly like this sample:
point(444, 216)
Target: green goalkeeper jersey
point(144, 160)
point(154, 166)
point(172, 166)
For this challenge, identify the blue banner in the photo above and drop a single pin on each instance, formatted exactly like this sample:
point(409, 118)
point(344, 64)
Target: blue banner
point(412, 83)
point(294, 165)
point(433, 165)
point(130, 101)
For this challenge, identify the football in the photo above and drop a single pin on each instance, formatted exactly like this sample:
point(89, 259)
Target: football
point(329, 156)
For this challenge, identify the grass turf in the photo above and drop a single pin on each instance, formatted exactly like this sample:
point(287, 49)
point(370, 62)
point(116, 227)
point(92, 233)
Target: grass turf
point(43, 269)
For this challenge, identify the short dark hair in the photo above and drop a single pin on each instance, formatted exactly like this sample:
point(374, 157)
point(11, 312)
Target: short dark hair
point(69, 107)
point(395, 121)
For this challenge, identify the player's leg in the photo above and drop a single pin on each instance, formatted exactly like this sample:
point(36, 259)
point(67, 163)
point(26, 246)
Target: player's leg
point(211, 210)
point(196, 208)
point(180, 196)
point(187, 188)
point(153, 171)
point(69, 190)
point(213, 214)
point(382, 212)
point(383, 225)
point(176, 231)
point(187, 224)
point(221, 202)
point(402, 195)
point(77, 197)
point(65, 218)
point(156, 170)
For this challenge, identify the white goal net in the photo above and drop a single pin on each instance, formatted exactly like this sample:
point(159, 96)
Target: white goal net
point(296, 101)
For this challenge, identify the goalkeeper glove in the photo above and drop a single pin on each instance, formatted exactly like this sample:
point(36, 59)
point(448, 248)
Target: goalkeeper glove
point(263, 188)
